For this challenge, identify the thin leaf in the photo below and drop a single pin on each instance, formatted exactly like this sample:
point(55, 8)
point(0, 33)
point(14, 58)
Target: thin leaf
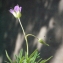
point(8, 57)
point(44, 61)
point(21, 60)
point(39, 60)
point(33, 53)
point(21, 53)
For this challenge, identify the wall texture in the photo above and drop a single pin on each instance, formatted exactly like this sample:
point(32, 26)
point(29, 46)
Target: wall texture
point(43, 18)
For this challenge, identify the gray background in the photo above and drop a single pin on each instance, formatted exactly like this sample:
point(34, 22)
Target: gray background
point(43, 18)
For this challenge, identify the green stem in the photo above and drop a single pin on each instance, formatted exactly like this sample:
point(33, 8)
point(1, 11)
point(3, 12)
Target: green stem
point(24, 35)
point(31, 35)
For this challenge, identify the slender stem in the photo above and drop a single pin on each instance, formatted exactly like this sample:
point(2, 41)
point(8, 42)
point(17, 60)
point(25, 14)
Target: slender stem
point(31, 35)
point(24, 35)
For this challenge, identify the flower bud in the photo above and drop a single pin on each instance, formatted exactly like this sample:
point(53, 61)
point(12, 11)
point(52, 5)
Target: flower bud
point(41, 41)
point(16, 11)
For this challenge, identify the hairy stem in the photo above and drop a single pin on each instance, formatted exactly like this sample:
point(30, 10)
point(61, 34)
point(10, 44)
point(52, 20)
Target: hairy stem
point(31, 35)
point(24, 35)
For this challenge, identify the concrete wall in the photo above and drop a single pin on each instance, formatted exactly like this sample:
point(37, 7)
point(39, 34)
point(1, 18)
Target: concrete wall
point(43, 18)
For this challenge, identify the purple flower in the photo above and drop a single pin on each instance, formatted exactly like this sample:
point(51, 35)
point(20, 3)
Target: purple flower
point(16, 11)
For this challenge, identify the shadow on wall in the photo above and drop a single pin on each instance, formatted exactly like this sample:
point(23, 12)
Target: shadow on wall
point(39, 17)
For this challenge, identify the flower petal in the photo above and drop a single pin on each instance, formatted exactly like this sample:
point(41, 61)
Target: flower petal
point(16, 8)
point(16, 11)
point(20, 9)
point(11, 11)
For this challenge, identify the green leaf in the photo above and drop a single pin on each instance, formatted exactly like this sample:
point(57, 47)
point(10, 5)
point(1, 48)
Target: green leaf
point(45, 60)
point(21, 53)
point(21, 60)
point(20, 57)
point(39, 60)
point(33, 57)
point(8, 57)
point(32, 53)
